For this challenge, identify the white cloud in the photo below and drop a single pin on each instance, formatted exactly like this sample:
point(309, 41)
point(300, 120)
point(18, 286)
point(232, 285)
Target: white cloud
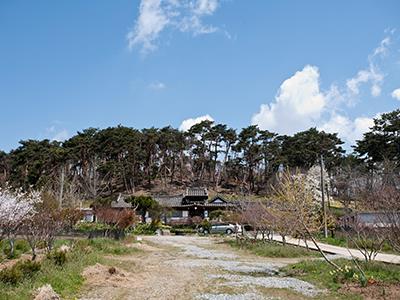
point(348, 130)
point(188, 123)
point(297, 106)
point(60, 136)
point(396, 94)
point(155, 16)
point(205, 7)
point(372, 74)
point(383, 47)
point(157, 85)
point(301, 103)
point(53, 134)
point(151, 21)
point(193, 23)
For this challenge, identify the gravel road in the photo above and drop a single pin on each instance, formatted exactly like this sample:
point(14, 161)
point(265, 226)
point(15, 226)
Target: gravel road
point(192, 267)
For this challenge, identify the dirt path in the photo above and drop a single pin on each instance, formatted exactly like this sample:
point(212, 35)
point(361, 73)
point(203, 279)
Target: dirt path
point(189, 267)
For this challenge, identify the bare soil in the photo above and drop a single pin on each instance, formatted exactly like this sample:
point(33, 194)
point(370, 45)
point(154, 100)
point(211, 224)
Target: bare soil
point(378, 290)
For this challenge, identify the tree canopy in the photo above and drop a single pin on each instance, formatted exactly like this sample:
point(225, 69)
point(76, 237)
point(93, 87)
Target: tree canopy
point(103, 162)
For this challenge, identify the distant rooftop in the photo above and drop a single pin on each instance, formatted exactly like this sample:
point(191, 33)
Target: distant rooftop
point(120, 203)
point(196, 192)
point(169, 201)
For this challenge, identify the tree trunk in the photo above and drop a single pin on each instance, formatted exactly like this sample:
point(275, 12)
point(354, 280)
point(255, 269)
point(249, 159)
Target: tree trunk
point(222, 168)
point(12, 248)
point(33, 252)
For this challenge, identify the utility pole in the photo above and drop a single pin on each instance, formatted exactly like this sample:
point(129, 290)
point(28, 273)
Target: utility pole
point(323, 196)
point(60, 197)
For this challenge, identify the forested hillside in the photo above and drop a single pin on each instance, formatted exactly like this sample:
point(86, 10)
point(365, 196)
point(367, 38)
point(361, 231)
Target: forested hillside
point(103, 162)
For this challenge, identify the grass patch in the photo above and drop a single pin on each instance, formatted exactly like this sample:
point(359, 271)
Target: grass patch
point(66, 279)
point(317, 272)
point(20, 247)
point(273, 249)
point(335, 241)
point(314, 271)
point(107, 246)
point(342, 242)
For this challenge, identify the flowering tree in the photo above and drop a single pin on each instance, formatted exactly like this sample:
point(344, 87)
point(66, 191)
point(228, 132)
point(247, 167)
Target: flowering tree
point(15, 208)
point(294, 201)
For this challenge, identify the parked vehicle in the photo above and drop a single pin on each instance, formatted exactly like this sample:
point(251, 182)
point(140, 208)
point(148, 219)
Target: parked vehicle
point(222, 228)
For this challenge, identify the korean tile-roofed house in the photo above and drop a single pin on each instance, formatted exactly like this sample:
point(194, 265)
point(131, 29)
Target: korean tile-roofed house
point(194, 202)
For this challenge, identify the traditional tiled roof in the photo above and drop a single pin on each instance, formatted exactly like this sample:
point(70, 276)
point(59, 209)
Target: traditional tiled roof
point(196, 192)
point(180, 201)
point(217, 199)
point(169, 201)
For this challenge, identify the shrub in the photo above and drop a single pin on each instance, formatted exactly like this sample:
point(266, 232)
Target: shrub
point(88, 227)
point(29, 267)
point(15, 274)
point(206, 225)
point(22, 246)
point(216, 214)
point(11, 275)
point(58, 257)
point(145, 229)
point(347, 273)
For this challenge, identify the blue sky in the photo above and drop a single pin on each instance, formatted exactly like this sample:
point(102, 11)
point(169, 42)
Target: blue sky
point(284, 65)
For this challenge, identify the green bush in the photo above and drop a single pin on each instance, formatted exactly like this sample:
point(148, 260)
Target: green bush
point(216, 214)
point(11, 275)
point(91, 226)
point(29, 267)
point(68, 280)
point(20, 246)
point(58, 257)
point(21, 270)
point(206, 225)
point(142, 229)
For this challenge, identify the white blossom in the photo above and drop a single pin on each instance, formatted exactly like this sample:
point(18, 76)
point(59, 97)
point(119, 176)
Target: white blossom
point(15, 207)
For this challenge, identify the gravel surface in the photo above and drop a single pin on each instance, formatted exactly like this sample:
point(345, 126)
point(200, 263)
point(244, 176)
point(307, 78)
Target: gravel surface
point(245, 296)
point(191, 267)
point(230, 265)
point(230, 262)
point(194, 250)
point(300, 286)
